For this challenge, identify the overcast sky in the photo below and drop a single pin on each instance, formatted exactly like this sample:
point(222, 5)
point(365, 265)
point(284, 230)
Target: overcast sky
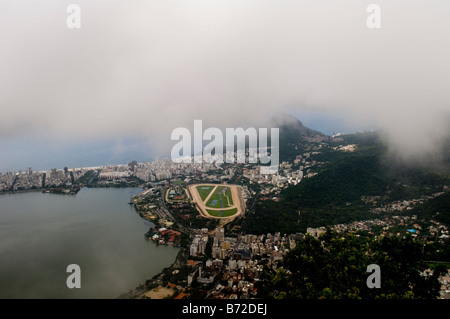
point(140, 68)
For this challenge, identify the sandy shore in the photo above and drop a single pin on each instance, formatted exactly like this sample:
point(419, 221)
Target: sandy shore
point(159, 292)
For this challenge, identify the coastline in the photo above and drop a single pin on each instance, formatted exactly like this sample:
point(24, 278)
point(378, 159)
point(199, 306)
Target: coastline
point(72, 218)
point(143, 291)
point(54, 190)
point(21, 191)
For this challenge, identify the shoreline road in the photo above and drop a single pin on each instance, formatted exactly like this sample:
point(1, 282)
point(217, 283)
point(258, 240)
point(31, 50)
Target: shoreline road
point(200, 205)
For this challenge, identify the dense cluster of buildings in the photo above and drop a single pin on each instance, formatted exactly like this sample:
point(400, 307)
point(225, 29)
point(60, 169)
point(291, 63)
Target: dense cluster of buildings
point(155, 171)
point(401, 205)
point(396, 225)
point(30, 180)
point(288, 173)
point(236, 264)
point(232, 265)
point(21, 181)
point(439, 231)
point(57, 178)
point(6, 181)
point(164, 236)
point(445, 286)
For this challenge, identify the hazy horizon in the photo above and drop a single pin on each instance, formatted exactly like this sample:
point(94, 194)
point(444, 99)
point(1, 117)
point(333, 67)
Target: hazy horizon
point(41, 155)
point(139, 69)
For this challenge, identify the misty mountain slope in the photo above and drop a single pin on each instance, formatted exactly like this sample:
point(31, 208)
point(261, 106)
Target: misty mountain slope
point(436, 208)
point(344, 181)
point(292, 128)
point(346, 177)
point(335, 195)
point(294, 136)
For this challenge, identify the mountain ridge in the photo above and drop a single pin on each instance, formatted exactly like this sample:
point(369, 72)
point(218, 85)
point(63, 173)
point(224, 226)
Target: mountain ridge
point(335, 192)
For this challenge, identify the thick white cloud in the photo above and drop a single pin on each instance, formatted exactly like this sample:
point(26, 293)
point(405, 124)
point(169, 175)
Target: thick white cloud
point(145, 67)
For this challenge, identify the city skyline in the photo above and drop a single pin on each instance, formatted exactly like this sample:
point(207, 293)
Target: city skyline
point(21, 155)
point(142, 69)
point(288, 149)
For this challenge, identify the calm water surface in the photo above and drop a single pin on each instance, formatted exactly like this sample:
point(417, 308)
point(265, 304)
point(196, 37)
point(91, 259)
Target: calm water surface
point(41, 234)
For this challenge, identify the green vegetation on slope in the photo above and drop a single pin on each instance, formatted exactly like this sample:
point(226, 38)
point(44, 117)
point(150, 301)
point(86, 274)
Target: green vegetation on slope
point(341, 182)
point(336, 194)
point(334, 267)
point(437, 208)
point(331, 197)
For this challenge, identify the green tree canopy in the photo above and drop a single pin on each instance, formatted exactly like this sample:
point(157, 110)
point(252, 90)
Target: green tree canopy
point(335, 266)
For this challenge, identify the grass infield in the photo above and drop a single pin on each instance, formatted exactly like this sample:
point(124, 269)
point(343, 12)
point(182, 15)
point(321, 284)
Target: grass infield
point(221, 193)
point(204, 191)
point(222, 213)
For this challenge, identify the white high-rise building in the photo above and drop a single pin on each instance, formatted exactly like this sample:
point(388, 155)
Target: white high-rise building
point(193, 250)
point(232, 264)
point(201, 246)
point(220, 234)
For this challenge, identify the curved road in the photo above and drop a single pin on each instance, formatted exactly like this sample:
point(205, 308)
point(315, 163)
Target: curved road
point(201, 205)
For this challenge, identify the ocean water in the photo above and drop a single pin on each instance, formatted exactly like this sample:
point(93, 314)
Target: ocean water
point(40, 154)
point(41, 234)
point(20, 153)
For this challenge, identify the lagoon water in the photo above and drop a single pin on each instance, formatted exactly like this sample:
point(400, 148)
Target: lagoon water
point(41, 234)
